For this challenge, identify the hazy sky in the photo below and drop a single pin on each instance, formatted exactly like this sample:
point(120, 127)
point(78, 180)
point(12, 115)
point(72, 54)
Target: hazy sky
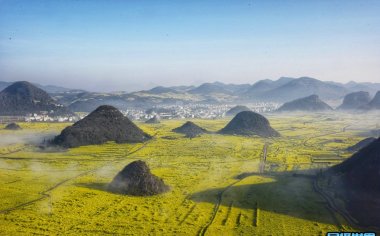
point(129, 45)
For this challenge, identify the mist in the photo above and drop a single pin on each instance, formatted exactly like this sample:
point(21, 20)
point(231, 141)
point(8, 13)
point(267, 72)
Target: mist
point(25, 137)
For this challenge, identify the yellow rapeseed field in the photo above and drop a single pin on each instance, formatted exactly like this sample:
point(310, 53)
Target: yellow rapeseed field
point(216, 184)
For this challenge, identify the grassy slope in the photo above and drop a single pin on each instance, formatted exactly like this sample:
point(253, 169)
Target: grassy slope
point(206, 196)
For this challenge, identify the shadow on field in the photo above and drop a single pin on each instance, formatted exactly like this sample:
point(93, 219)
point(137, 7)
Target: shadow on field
point(94, 186)
point(288, 195)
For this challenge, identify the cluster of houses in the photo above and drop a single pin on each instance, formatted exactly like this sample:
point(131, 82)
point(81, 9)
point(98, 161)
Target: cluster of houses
point(46, 118)
point(38, 118)
point(189, 111)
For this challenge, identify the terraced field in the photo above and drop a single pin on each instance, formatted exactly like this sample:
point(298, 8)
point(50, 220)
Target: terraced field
point(220, 185)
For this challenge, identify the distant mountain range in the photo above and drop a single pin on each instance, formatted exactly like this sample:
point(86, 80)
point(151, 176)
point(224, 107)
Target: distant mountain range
point(283, 90)
point(303, 87)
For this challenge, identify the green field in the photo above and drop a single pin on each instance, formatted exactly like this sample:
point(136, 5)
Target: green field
point(220, 185)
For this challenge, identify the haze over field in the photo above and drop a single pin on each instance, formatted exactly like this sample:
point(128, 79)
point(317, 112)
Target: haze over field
point(134, 45)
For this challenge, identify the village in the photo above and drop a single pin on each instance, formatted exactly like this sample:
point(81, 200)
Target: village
point(188, 111)
point(194, 111)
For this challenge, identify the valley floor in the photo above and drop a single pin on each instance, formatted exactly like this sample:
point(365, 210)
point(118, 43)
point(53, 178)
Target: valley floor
point(220, 185)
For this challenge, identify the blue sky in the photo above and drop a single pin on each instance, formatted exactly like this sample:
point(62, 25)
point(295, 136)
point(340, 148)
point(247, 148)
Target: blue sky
point(128, 45)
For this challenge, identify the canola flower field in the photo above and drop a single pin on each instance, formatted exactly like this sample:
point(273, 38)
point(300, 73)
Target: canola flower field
point(220, 184)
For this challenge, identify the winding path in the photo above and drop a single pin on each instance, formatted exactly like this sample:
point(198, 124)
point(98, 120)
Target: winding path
point(204, 229)
point(263, 159)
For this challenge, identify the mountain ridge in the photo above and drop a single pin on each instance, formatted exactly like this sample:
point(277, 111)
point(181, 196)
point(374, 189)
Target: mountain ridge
point(282, 90)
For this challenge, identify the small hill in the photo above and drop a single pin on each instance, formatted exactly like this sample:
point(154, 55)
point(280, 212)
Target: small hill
point(136, 179)
point(22, 98)
point(249, 123)
point(363, 143)
point(237, 109)
point(104, 124)
point(283, 80)
point(375, 103)
point(153, 120)
point(190, 129)
point(219, 88)
point(310, 103)
point(375, 132)
point(372, 88)
point(161, 89)
point(359, 175)
point(208, 88)
point(260, 87)
point(355, 100)
point(12, 126)
point(4, 84)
